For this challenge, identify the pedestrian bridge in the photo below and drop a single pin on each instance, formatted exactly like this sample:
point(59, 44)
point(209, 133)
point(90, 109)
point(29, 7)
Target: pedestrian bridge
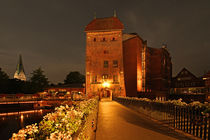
point(117, 122)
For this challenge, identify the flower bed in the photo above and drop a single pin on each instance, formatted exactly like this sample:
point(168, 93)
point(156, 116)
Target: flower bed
point(61, 124)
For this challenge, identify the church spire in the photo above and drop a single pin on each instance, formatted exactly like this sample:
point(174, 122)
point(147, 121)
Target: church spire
point(20, 65)
point(115, 13)
point(20, 73)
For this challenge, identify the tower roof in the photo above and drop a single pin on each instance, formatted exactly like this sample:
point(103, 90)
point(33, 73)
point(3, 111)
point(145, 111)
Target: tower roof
point(19, 73)
point(109, 23)
point(20, 65)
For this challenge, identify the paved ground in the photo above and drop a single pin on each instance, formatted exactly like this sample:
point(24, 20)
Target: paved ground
point(116, 122)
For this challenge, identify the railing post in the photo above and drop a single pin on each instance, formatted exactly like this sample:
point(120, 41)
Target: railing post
point(201, 126)
point(197, 121)
point(179, 118)
point(208, 122)
point(191, 114)
point(194, 112)
point(187, 118)
point(205, 127)
point(184, 111)
point(181, 112)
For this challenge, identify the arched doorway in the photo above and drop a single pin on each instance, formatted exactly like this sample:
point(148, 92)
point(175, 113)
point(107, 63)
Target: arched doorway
point(106, 93)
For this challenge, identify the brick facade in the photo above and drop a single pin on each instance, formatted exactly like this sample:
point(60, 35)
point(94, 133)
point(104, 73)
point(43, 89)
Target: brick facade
point(123, 60)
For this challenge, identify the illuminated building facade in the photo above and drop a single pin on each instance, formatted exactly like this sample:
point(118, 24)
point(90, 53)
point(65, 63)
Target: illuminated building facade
point(20, 73)
point(122, 64)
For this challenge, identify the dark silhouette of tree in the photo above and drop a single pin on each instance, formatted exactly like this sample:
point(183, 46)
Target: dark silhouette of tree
point(3, 75)
point(15, 86)
point(3, 81)
point(74, 78)
point(38, 80)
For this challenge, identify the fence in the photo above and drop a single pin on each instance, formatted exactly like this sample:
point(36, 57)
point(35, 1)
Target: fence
point(186, 118)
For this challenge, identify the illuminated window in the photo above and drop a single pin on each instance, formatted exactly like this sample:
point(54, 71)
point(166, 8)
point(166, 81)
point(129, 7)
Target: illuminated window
point(105, 76)
point(94, 39)
point(115, 78)
point(106, 64)
point(115, 63)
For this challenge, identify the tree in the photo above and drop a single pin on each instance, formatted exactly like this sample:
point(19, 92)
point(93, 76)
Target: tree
point(3, 81)
point(39, 80)
point(74, 78)
point(3, 75)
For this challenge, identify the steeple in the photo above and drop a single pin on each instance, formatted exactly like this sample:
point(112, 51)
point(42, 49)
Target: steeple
point(20, 73)
point(115, 13)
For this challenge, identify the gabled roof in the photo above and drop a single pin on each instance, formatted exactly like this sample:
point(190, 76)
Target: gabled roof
point(186, 73)
point(128, 36)
point(109, 23)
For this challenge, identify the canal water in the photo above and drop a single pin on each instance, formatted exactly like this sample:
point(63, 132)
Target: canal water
point(12, 122)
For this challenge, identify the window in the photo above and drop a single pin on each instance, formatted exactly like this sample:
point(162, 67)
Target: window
point(94, 39)
point(105, 76)
point(106, 52)
point(113, 39)
point(115, 78)
point(106, 64)
point(115, 63)
point(94, 80)
point(104, 39)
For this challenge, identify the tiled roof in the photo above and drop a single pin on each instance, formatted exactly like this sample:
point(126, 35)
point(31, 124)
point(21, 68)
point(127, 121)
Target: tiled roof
point(104, 24)
point(128, 36)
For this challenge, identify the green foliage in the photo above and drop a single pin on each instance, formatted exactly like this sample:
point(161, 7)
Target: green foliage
point(74, 78)
point(39, 80)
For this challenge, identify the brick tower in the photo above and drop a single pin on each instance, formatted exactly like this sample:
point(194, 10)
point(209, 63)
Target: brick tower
point(104, 57)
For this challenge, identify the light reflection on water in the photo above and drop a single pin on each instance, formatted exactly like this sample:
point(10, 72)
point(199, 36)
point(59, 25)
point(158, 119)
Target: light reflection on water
point(10, 124)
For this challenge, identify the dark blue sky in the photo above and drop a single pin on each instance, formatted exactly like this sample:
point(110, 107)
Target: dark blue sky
point(50, 33)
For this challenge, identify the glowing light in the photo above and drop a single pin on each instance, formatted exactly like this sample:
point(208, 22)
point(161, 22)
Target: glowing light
point(106, 84)
point(21, 116)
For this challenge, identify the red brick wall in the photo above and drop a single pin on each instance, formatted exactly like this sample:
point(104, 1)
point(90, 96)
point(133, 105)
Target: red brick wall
point(131, 51)
point(160, 71)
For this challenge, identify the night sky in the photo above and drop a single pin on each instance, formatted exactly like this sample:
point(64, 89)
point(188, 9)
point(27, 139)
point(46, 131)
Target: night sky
point(50, 33)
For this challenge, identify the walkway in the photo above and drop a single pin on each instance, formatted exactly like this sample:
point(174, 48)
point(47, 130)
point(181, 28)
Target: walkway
point(116, 122)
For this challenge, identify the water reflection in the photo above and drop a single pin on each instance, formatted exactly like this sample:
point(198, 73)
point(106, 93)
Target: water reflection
point(11, 122)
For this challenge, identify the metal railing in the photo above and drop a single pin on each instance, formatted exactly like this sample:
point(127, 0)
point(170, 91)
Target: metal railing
point(188, 119)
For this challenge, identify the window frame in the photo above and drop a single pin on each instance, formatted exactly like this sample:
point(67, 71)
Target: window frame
point(115, 63)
